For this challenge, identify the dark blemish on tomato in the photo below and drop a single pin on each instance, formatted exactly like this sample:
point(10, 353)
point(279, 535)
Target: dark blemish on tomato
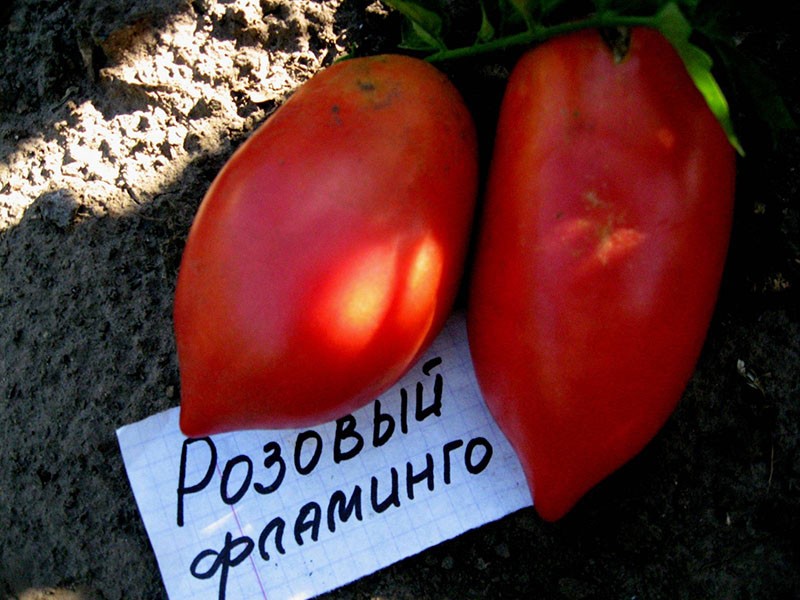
point(337, 119)
point(366, 86)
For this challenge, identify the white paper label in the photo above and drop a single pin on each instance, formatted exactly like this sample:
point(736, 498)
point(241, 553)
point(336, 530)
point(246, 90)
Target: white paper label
point(291, 514)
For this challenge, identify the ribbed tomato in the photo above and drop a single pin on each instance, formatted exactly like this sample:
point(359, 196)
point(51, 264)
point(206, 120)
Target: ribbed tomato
point(327, 253)
point(602, 244)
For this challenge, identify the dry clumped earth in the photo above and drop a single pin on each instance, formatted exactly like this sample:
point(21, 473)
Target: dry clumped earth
point(114, 118)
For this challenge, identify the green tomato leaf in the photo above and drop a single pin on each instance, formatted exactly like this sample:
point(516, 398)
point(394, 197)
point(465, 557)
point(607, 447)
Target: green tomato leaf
point(524, 9)
point(425, 26)
point(533, 11)
point(510, 17)
point(486, 32)
point(674, 26)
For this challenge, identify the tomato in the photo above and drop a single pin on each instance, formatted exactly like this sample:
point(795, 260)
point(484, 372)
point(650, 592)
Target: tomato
point(327, 252)
point(604, 235)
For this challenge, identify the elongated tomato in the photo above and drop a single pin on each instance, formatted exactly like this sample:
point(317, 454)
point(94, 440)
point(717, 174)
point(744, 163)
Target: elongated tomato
point(603, 241)
point(327, 252)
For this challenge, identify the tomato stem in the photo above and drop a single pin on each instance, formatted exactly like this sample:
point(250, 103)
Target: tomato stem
point(542, 33)
point(669, 21)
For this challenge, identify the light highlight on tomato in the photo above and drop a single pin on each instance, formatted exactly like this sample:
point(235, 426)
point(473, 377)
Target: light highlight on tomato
point(327, 253)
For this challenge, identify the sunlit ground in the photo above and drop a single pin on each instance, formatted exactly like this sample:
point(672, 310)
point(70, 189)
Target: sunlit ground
point(164, 98)
point(50, 594)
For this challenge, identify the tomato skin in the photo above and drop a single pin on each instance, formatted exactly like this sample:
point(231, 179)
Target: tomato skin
point(327, 253)
point(603, 240)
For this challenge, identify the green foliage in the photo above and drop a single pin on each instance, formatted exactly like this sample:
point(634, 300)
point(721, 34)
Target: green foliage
point(423, 26)
point(677, 29)
point(511, 23)
point(487, 30)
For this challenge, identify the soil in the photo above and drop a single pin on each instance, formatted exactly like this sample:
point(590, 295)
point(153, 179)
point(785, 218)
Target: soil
point(115, 115)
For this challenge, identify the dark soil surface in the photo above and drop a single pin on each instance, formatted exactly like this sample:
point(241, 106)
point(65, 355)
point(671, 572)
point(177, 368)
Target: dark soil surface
point(115, 116)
